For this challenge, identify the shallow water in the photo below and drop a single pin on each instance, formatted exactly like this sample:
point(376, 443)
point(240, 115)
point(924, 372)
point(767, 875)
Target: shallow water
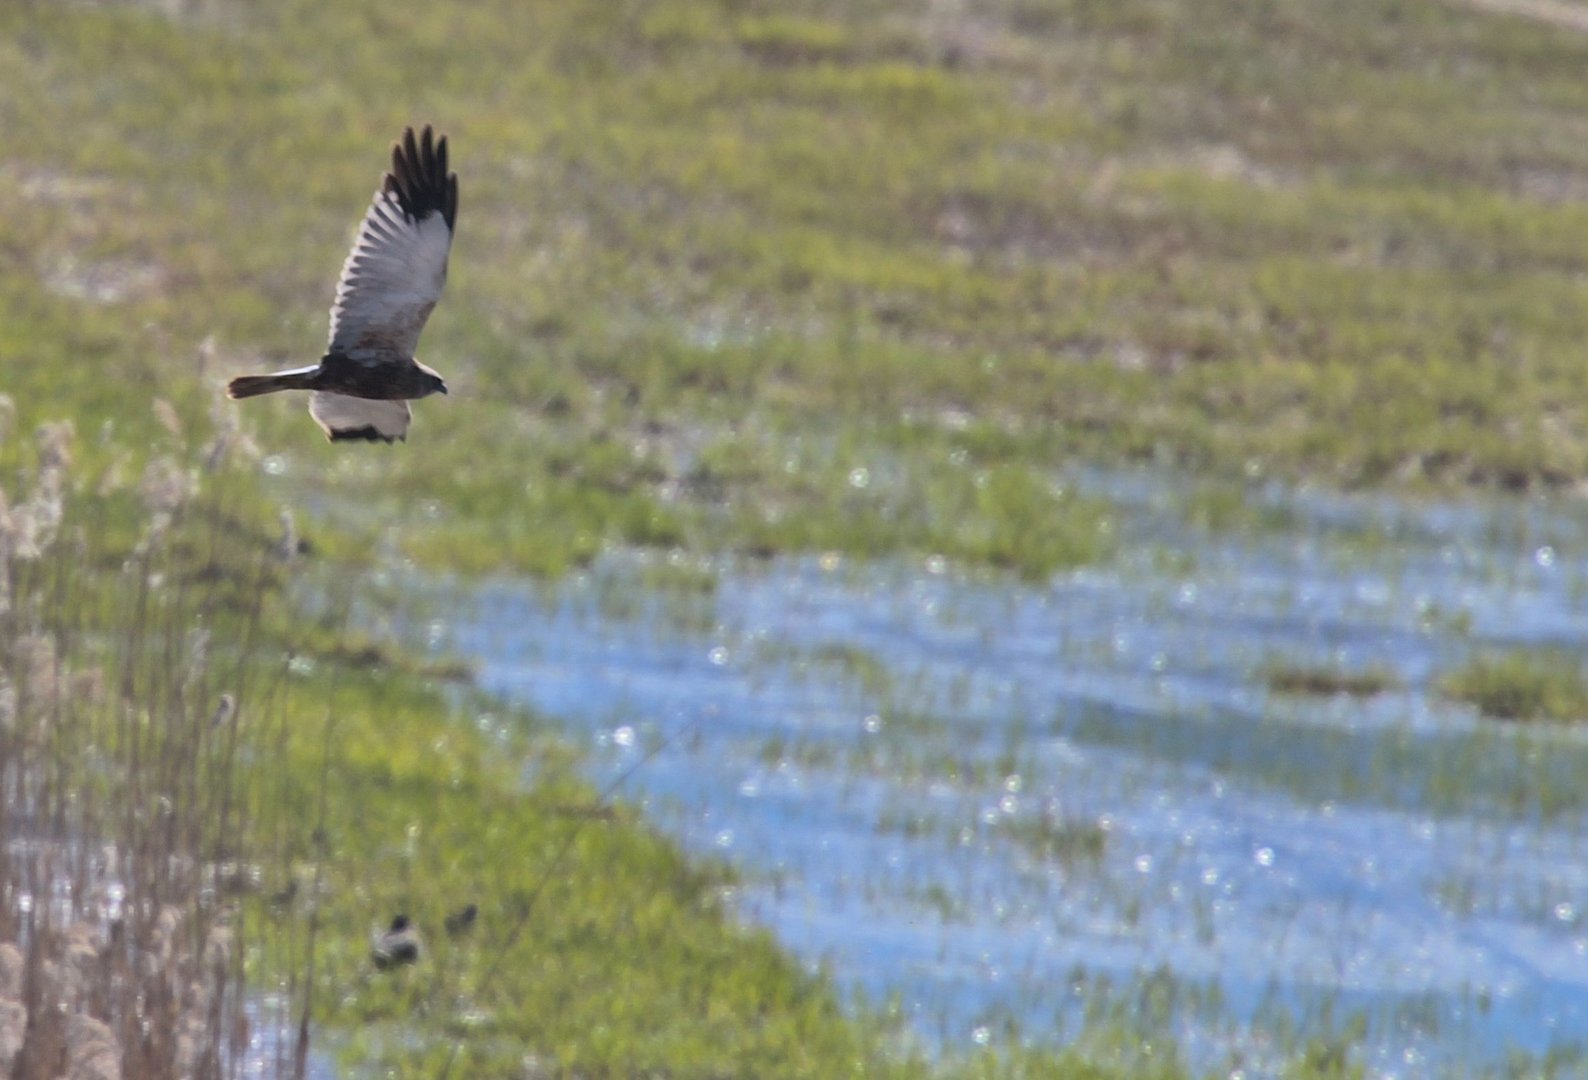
point(1010, 808)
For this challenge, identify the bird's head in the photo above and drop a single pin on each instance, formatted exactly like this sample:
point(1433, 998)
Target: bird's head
point(434, 383)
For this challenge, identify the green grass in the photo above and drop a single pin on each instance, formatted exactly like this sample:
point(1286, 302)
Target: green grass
point(1522, 685)
point(807, 238)
point(1070, 843)
point(625, 964)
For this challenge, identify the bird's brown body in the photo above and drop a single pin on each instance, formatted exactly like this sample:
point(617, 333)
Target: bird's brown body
point(337, 374)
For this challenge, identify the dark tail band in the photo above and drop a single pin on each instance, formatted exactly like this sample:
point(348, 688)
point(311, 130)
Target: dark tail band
point(247, 386)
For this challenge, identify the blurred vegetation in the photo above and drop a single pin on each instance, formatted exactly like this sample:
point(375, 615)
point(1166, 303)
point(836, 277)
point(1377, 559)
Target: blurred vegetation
point(1540, 684)
point(740, 275)
point(1328, 680)
point(719, 258)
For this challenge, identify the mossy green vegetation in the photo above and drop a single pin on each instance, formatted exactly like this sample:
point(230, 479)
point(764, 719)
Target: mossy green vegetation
point(1522, 684)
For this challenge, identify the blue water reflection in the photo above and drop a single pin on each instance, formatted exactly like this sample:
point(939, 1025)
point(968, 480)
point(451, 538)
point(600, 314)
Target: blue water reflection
point(995, 802)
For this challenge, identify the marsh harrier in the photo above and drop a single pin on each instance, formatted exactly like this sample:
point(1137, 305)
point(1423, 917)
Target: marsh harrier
point(391, 280)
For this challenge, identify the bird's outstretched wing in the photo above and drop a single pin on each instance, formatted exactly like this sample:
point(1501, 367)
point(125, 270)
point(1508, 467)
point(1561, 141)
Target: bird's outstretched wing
point(345, 418)
point(394, 274)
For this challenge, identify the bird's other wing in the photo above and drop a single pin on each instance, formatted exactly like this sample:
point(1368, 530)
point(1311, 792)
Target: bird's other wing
point(394, 274)
point(345, 418)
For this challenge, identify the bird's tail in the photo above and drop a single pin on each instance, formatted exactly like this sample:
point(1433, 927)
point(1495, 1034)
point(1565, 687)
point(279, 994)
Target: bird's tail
point(246, 386)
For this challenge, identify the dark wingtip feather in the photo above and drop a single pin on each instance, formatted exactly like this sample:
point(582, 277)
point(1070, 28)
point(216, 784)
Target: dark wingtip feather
point(427, 152)
point(419, 177)
point(411, 151)
point(367, 433)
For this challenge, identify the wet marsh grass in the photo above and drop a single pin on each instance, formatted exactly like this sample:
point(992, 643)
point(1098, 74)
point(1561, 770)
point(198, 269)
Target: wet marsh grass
point(1070, 841)
point(1538, 685)
point(1235, 255)
point(1412, 752)
point(1510, 773)
point(1334, 241)
point(214, 799)
point(1328, 681)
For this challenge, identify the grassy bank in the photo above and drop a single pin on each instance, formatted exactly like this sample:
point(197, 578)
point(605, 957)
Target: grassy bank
point(259, 794)
point(859, 276)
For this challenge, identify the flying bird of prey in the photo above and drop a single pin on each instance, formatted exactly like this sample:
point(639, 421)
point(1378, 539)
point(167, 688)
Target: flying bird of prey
point(391, 280)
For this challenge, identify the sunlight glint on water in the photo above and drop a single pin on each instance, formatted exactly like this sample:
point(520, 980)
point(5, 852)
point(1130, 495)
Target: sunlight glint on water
point(1006, 804)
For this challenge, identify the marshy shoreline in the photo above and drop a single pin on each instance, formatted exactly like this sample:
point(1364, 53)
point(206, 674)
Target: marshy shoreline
point(747, 288)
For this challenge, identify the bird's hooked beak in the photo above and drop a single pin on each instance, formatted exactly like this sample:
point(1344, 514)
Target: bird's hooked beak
point(443, 388)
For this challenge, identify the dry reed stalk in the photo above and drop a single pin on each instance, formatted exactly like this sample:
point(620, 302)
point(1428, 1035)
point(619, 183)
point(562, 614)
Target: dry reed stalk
point(126, 811)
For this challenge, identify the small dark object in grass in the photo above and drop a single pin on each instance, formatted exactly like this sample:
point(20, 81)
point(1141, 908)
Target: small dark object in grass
point(462, 920)
point(282, 898)
point(397, 946)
